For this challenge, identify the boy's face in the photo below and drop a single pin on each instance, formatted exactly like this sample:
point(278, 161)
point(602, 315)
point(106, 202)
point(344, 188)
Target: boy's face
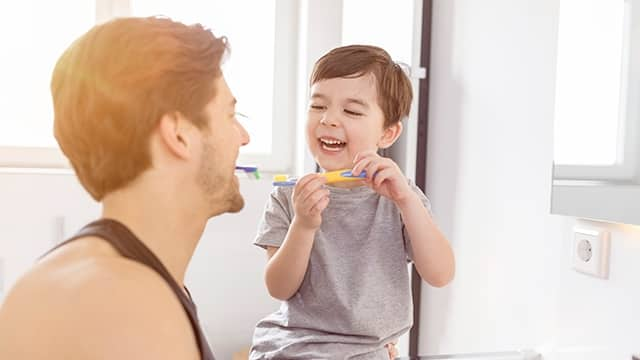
point(344, 119)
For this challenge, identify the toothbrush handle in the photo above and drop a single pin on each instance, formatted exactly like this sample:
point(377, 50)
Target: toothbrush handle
point(342, 175)
point(284, 183)
point(247, 168)
point(331, 176)
point(348, 174)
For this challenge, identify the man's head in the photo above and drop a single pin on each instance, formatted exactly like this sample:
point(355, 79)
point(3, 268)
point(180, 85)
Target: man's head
point(359, 97)
point(138, 93)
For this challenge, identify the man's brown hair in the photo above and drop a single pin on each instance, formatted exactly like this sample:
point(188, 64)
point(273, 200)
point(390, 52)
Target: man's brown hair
point(392, 84)
point(112, 85)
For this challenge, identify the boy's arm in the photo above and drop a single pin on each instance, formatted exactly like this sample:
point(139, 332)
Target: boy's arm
point(432, 253)
point(287, 264)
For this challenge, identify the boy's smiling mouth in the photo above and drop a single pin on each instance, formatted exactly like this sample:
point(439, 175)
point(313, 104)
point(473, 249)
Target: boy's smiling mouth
point(331, 144)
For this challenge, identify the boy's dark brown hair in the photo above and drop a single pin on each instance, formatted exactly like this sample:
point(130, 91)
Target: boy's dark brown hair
point(111, 87)
point(392, 84)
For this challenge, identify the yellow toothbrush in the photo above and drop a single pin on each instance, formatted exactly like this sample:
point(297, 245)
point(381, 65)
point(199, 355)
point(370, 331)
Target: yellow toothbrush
point(331, 176)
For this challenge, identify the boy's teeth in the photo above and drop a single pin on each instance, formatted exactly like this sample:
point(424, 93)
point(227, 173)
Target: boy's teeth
point(331, 142)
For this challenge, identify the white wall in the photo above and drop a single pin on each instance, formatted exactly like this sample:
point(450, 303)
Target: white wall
point(225, 277)
point(489, 179)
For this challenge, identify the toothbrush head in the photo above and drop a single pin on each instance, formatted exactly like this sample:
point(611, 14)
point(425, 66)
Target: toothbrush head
point(250, 171)
point(283, 180)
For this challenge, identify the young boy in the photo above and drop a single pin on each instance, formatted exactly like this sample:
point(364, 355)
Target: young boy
point(338, 253)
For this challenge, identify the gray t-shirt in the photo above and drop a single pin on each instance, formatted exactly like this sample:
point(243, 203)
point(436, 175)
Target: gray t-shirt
point(355, 297)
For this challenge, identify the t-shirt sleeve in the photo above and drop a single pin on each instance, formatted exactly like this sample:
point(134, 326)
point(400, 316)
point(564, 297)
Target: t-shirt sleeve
point(405, 234)
point(276, 218)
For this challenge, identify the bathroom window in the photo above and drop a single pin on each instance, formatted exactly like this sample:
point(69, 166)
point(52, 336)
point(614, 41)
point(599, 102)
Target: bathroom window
point(388, 25)
point(595, 134)
point(32, 38)
point(256, 64)
point(254, 67)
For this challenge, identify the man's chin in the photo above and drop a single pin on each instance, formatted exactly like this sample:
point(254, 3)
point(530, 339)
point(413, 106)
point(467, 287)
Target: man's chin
point(237, 201)
point(237, 204)
point(231, 204)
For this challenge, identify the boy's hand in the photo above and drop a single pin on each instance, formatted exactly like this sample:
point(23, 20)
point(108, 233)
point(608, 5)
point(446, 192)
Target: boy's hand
point(310, 198)
point(383, 176)
point(393, 351)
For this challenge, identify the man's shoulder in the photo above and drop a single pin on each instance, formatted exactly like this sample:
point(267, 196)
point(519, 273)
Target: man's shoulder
point(82, 278)
point(100, 300)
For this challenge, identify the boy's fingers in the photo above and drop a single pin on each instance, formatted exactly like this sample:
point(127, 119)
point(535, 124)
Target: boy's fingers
point(382, 175)
point(312, 187)
point(299, 186)
point(375, 167)
point(363, 154)
point(302, 182)
point(362, 164)
point(320, 206)
point(317, 196)
point(308, 185)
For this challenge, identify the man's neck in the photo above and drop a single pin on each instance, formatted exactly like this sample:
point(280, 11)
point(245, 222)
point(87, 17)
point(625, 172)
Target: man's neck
point(169, 230)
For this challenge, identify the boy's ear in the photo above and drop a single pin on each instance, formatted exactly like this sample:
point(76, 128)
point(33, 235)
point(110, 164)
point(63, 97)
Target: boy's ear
point(390, 135)
point(174, 131)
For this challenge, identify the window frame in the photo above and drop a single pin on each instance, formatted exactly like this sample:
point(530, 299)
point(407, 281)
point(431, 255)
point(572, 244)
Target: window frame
point(628, 130)
point(608, 193)
point(280, 159)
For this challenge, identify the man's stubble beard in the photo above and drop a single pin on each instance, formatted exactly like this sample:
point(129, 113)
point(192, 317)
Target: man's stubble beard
point(221, 190)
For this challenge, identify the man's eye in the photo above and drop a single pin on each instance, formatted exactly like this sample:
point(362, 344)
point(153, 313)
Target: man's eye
point(240, 117)
point(353, 113)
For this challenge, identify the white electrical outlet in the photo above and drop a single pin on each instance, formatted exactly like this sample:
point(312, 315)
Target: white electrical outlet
point(590, 251)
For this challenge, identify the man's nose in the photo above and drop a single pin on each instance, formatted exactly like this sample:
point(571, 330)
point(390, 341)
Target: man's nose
point(244, 136)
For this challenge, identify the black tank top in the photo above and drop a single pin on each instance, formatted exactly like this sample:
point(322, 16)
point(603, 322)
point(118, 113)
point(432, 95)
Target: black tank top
point(130, 247)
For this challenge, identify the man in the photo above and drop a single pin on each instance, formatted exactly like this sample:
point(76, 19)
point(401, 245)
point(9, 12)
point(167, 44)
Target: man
point(148, 123)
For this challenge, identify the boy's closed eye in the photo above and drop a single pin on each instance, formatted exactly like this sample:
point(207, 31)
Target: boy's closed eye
point(352, 113)
point(317, 107)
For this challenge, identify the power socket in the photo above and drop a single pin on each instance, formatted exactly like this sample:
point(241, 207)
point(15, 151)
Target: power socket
point(590, 252)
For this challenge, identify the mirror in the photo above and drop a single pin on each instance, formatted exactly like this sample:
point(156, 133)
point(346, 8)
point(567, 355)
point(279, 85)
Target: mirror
point(597, 102)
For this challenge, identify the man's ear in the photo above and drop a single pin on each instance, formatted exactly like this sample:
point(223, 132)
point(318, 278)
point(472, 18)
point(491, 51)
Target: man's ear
point(174, 130)
point(390, 135)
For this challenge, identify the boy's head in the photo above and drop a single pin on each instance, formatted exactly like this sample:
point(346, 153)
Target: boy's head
point(359, 97)
point(135, 94)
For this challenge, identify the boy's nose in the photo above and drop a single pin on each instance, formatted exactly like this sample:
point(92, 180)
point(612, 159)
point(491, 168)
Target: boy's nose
point(329, 121)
